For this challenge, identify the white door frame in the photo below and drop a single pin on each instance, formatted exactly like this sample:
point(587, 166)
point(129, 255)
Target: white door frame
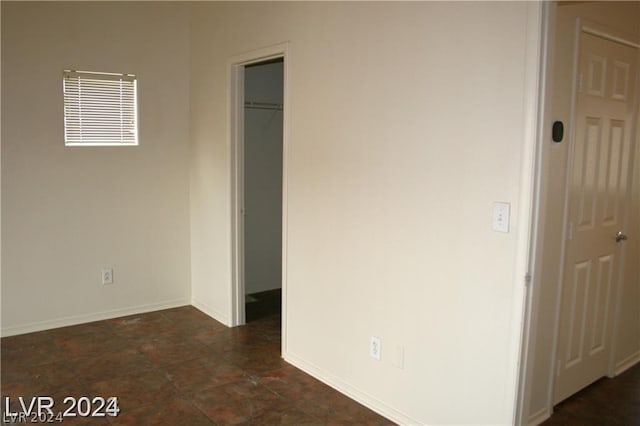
point(235, 68)
point(532, 295)
point(539, 132)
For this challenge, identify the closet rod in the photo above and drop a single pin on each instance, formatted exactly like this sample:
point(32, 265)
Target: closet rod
point(262, 105)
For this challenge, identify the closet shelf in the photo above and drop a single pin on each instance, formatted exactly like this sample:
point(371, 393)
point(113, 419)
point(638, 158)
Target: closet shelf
point(263, 105)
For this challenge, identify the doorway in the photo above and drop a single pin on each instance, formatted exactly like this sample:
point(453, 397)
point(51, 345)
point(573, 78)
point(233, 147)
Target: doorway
point(258, 175)
point(597, 202)
point(556, 278)
point(263, 106)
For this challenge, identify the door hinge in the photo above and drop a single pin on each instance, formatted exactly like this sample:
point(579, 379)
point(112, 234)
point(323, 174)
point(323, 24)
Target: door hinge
point(570, 231)
point(527, 279)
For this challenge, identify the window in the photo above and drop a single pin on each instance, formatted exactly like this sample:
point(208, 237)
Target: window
point(100, 109)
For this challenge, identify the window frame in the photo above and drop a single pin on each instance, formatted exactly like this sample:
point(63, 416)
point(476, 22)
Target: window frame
point(100, 84)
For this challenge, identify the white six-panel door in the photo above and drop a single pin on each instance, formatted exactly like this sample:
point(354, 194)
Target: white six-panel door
point(597, 194)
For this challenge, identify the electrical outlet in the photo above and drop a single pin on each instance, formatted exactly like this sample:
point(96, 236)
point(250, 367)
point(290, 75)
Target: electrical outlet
point(375, 348)
point(501, 217)
point(107, 276)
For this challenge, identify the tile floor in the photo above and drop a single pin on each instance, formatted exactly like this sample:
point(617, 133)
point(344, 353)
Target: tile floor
point(174, 367)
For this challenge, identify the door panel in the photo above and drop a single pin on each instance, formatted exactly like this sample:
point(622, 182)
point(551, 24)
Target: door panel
point(597, 199)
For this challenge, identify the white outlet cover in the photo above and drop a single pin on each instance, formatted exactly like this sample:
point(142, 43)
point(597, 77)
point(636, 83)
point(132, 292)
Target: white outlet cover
point(107, 276)
point(375, 348)
point(501, 212)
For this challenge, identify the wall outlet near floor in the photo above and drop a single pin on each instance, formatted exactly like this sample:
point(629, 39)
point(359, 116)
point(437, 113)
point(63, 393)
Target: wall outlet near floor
point(375, 348)
point(107, 276)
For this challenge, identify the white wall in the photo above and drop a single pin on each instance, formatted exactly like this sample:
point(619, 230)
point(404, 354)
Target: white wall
point(69, 212)
point(0, 178)
point(621, 16)
point(407, 122)
point(263, 179)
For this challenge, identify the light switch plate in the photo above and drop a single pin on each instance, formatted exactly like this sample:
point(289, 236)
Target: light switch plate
point(501, 216)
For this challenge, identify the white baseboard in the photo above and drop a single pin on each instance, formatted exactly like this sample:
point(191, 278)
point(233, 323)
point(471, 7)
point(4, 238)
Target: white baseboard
point(627, 363)
point(351, 391)
point(538, 417)
point(95, 316)
point(213, 313)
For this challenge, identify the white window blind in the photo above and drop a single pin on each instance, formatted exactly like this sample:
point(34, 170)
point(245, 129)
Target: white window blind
point(100, 109)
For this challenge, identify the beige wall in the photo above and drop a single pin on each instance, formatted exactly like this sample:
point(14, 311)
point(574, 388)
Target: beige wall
point(627, 350)
point(0, 178)
point(406, 124)
point(407, 121)
point(623, 16)
point(69, 212)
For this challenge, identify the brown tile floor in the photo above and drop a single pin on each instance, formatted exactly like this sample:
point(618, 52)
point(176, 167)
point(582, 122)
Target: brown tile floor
point(611, 402)
point(174, 367)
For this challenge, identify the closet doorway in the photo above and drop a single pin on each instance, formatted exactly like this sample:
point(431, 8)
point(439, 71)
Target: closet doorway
point(263, 105)
point(257, 102)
